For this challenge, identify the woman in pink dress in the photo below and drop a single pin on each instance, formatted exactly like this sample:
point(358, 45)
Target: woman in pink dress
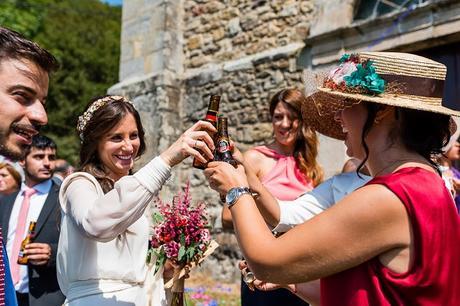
point(288, 168)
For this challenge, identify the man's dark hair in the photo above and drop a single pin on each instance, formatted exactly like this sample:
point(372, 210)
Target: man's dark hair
point(14, 46)
point(41, 142)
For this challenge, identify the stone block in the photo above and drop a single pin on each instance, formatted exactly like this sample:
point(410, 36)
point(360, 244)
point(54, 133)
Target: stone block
point(154, 62)
point(233, 27)
point(229, 13)
point(249, 22)
point(291, 9)
point(331, 15)
point(131, 68)
point(241, 38)
point(218, 34)
point(213, 6)
point(268, 16)
point(195, 42)
point(302, 31)
point(306, 7)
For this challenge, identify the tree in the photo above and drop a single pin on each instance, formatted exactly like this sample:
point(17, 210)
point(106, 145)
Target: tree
point(84, 36)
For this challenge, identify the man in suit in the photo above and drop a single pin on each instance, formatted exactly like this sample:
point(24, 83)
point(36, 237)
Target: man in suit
point(24, 78)
point(37, 200)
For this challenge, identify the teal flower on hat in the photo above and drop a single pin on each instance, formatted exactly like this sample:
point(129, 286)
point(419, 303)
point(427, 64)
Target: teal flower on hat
point(344, 58)
point(366, 78)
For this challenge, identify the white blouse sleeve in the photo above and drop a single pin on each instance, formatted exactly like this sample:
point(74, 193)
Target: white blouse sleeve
point(104, 217)
point(305, 207)
point(318, 200)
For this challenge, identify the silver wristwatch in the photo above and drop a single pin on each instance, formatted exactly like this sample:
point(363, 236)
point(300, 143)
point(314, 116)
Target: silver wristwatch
point(235, 193)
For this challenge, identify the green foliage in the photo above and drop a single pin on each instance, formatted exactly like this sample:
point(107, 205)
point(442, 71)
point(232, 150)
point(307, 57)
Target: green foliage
point(84, 36)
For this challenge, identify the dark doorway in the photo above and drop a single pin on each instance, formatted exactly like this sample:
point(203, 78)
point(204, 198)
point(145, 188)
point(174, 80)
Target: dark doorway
point(449, 55)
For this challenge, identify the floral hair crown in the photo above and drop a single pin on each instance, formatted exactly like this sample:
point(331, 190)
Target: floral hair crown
point(355, 76)
point(88, 114)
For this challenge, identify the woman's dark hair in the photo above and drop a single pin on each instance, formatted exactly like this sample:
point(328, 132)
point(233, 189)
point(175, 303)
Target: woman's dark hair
point(419, 131)
point(306, 146)
point(101, 122)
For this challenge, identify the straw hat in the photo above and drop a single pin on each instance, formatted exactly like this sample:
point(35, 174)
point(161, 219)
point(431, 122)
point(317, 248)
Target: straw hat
point(391, 78)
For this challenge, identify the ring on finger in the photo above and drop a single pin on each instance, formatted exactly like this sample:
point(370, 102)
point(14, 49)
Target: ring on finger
point(196, 143)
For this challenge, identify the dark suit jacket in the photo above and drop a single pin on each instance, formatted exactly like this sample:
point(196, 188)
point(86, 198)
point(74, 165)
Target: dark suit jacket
point(43, 286)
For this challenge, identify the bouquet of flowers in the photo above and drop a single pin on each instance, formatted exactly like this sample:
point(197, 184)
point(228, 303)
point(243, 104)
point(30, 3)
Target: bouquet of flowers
point(180, 234)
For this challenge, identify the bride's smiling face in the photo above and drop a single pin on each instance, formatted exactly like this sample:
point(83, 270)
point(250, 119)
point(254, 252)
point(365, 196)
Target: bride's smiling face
point(119, 147)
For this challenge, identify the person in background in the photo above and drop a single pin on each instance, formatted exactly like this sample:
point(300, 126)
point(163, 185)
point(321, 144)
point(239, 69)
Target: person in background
point(380, 244)
point(10, 179)
point(24, 79)
point(62, 170)
point(37, 201)
point(451, 175)
point(104, 234)
point(287, 167)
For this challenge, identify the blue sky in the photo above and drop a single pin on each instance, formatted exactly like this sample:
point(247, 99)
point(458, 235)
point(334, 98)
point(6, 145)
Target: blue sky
point(113, 2)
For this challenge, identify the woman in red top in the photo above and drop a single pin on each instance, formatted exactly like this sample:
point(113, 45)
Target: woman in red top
point(393, 241)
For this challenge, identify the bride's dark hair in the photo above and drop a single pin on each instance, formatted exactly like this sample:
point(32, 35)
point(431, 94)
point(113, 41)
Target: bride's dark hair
point(101, 122)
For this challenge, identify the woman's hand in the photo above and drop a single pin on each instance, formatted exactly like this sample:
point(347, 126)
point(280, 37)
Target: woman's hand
point(170, 267)
point(194, 142)
point(223, 176)
point(257, 283)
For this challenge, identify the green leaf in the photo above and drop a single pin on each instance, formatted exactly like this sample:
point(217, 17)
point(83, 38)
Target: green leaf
point(157, 217)
point(181, 253)
point(160, 262)
point(190, 253)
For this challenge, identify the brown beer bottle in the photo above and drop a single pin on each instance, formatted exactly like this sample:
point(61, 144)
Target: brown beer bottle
point(223, 152)
point(211, 117)
point(23, 259)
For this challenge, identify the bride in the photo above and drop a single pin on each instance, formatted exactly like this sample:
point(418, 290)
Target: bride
point(104, 235)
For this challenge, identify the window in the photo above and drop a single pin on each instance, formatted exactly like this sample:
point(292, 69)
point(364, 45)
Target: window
point(370, 9)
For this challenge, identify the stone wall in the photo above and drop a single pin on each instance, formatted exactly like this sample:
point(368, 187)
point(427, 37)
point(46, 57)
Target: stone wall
point(218, 31)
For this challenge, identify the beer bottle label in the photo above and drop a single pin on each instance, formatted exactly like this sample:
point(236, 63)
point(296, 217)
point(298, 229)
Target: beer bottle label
point(211, 116)
point(223, 146)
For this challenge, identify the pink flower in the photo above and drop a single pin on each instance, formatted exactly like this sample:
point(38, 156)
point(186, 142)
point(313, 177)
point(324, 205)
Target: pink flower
point(179, 224)
point(340, 72)
point(172, 249)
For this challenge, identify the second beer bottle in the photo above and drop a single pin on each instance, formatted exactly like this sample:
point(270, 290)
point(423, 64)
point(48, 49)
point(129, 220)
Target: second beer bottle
point(223, 151)
point(211, 117)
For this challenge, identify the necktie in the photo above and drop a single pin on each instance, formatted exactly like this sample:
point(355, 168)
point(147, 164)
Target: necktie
point(19, 236)
point(2, 272)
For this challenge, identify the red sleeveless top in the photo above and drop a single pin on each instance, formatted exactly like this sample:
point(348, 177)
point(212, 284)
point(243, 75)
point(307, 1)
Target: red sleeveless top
point(434, 278)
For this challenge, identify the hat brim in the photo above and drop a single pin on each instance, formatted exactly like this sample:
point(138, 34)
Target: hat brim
point(400, 100)
point(320, 108)
point(321, 119)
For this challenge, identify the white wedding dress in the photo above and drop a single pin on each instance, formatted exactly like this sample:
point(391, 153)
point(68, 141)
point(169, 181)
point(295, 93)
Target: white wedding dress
point(103, 242)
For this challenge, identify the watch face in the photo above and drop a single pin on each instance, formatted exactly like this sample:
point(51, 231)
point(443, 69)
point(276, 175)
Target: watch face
point(231, 195)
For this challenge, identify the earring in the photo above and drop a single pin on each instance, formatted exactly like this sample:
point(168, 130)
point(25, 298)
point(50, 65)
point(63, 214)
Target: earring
point(376, 121)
